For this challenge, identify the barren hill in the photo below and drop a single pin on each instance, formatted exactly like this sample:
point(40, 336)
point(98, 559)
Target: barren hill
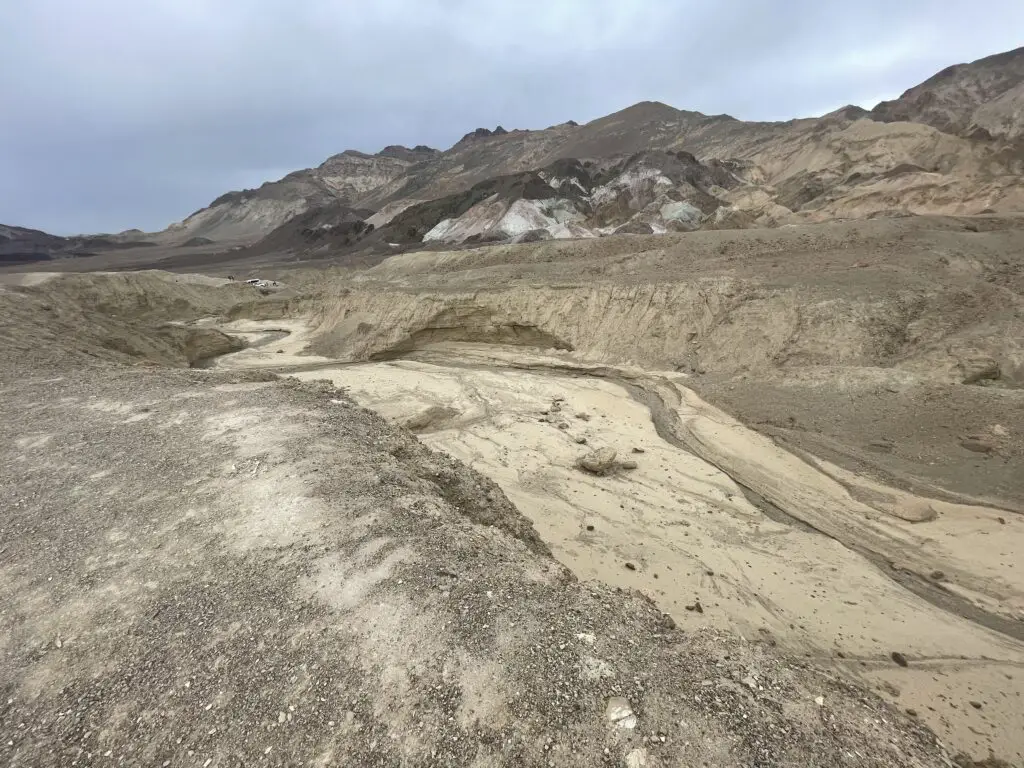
point(20, 245)
point(984, 98)
point(941, 148)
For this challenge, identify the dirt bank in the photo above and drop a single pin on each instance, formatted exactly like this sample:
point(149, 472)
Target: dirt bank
point(130, 317)
point(911, 332)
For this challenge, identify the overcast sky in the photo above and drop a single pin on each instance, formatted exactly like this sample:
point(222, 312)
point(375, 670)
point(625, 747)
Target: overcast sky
point(134, 113)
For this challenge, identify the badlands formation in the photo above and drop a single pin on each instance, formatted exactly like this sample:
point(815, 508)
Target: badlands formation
point(748, 497)
point(668, 439)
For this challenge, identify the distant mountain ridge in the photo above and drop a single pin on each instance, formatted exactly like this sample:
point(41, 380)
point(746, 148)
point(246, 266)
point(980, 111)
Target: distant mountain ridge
point(950, 145)
point(22, 245)
point(984, 99)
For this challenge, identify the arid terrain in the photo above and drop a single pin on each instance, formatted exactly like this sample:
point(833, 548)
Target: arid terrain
point(665, 439)
point(804, 550)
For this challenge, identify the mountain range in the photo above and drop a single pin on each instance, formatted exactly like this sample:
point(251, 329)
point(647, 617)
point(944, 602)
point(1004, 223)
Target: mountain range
point(953, 144)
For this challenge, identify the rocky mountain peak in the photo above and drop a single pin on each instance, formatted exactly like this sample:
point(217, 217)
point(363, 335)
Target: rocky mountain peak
point(416, 154)
point(982, 99)
point(653, 167)
point(482, 133)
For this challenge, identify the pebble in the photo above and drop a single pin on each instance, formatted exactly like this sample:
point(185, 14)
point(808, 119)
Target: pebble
point(637, 758)
point(977, 444)
point(899, 658)
point(620, 712)
point(975, 704)
point(630, 566)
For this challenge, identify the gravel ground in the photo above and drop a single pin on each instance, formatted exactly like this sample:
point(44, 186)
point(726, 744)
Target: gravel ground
point(205, 568)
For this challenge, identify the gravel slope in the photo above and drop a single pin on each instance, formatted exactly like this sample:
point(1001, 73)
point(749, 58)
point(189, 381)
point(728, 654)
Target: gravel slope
point(206, 568)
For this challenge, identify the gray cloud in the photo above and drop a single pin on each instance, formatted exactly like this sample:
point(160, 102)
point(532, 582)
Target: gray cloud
point(120, 114)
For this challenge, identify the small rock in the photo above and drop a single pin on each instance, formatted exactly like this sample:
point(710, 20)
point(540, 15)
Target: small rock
point(667, 621)
point(598, 462)
point(913, 510)
point(912, 712)
point(975, 704)
point(629, 465)
point(696, 607)
point(938, 575)
point(583, 416)
point(750, 682)
point(638, 450)
point(979, 369)
point(590, 527)
point(620, 712)
point(820, 701)
point(977, 444)
point(637, 758)
point(581, 440)
point(281, 717)
point(592, 668)
point(1002, 520)
point(563, 425)
point(280, 351)
point(899, 658)
point(630, 567)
